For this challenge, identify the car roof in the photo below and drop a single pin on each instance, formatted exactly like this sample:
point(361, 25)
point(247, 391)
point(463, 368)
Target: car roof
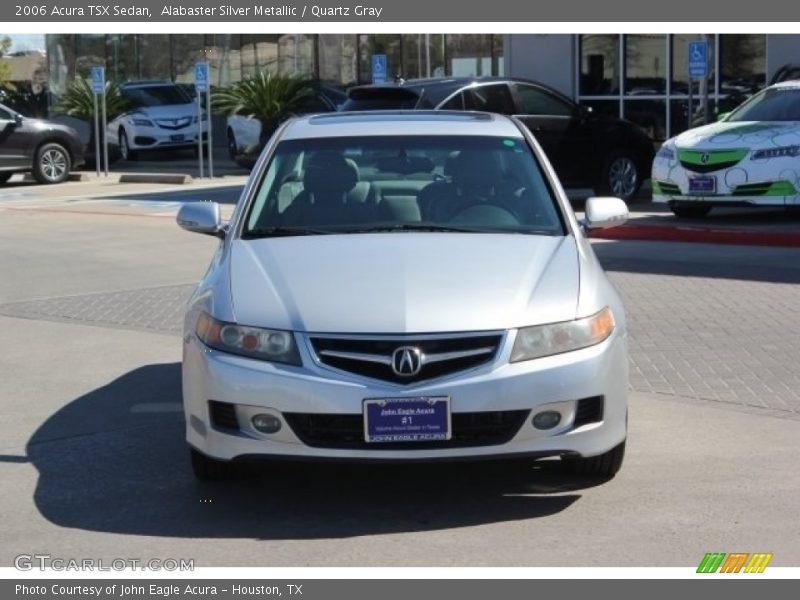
point(399, 122)
point(793, 83)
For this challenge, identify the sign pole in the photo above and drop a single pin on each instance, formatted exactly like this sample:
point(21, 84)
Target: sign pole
point(200, 135)
point(208, 121)
point(96, 136)
point(105, 136)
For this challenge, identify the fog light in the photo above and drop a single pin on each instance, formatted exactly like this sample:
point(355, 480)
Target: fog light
point(547, 419)
point(266, 423)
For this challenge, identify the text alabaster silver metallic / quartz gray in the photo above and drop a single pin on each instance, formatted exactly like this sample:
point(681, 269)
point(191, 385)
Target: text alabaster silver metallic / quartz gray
point(404, 286)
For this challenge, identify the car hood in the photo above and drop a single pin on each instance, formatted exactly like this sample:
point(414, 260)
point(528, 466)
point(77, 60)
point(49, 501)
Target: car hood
point(168, 111)
point(740, 135)
point(404, 282)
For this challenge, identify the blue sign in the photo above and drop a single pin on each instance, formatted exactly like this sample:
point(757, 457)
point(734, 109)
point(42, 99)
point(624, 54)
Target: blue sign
point(698, 59)
point(98, 80)
point(201, 76)
point(379, 68)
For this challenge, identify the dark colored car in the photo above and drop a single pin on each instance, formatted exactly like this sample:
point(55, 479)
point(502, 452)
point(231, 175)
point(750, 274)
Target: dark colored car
point(46, 149)
point(608, 154)
point(243, 134)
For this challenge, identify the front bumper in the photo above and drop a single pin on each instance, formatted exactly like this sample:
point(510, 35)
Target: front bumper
point(554, 383)
point(748, 183)
point(151, 138)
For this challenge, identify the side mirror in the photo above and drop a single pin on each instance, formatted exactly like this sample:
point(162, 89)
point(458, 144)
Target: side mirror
point(18, 118)
point(723, 116)
point(201, 217)
point(602, 213)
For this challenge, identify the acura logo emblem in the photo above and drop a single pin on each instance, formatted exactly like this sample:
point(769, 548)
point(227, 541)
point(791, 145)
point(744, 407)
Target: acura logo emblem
point(407, 361)
point(704, 157)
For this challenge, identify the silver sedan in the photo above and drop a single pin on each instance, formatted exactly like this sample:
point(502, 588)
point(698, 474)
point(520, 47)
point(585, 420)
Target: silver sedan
point(404, 286)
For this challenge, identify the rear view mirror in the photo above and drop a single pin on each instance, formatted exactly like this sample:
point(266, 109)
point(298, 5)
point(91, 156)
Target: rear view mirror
point(201, 217)
point(605, 212)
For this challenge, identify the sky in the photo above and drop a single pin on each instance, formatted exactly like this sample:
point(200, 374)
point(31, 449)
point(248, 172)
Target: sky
point(26, 41)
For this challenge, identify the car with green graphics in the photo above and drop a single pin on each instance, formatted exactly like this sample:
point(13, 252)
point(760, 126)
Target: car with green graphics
point(751, 157)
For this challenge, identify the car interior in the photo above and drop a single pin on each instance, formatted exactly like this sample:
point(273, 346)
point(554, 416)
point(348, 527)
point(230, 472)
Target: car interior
point(471, 186)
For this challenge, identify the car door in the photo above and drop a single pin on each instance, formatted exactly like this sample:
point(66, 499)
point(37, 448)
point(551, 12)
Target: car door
point(14, 141)
point(494, 97)
point(556, 124)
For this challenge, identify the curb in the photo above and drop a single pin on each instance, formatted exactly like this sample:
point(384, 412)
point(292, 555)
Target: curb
point(167, 178)
point(703, 235)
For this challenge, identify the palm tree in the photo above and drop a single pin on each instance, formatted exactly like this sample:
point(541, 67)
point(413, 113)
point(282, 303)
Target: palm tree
point(78, 102)
point(268, 97)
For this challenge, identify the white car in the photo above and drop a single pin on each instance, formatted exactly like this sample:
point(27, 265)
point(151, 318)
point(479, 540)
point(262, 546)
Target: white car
point(404, 286)
point(163, 117)
point(750, 158)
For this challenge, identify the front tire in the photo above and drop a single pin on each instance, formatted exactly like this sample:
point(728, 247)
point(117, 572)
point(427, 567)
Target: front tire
point(210, 469)
point(125, 150)
point(621, 175)
point(52, 164)
point(689, 211)
point(605, 465)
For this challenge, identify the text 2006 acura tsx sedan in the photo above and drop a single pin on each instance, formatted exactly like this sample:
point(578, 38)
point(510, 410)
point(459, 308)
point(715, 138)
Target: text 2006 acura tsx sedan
point(404, 286)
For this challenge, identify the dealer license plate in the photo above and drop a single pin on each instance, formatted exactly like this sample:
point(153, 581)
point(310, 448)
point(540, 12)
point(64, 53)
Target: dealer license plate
point(177, 137)
point(703, 185)
point(422, 419)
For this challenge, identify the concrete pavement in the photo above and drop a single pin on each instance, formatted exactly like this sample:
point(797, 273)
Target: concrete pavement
point(94, 463)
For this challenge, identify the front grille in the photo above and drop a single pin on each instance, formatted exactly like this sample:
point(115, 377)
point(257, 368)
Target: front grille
point(179, 123)
point(372, 358)
point(346, 432)
point(700, 161)
point(223, 415)
point(769, 188)
point(589, 410)
point(667, 189)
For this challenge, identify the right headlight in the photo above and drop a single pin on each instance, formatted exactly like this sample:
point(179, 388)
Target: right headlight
point(254, 342)
point(557, 338)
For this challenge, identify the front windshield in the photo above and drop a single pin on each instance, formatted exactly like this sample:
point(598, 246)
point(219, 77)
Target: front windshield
point(774, 104)
point(156, 95)
point(403, 183)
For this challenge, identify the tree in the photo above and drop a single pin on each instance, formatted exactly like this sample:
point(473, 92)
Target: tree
point(5, 69)
point(268, 97)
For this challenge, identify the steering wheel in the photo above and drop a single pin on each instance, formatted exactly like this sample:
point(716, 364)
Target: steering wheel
point(486, 214)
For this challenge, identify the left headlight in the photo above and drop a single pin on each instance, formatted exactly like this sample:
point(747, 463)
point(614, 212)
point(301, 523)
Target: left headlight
point(557, 338)
point(667, 152)
point(264, 344)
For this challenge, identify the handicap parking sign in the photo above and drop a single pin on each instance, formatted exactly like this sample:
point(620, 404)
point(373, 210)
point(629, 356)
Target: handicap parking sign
point(379, 67)
point(698, 59)
point(98, 80)
point(201, 76)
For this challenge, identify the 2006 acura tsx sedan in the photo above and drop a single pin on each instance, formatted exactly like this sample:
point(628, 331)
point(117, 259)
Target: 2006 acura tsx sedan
point(401, 286)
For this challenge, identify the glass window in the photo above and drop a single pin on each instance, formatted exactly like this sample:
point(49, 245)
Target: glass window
point(296, 55)
point(154, 56)
point(679, 114)
point(680, 64)
point(490, 98)
point(474, 183)
point(469, 55)
point(337, 58)
point(156, 95)
point(5, 115)
point(775, 104)
point(599, 65)
point(455, 103)
point(742, 64)
point(187, 50)
point(536, 101)
point(650, 115)
point(498, 68)
point(645, 65)
point(91, 51)
point(388, 44)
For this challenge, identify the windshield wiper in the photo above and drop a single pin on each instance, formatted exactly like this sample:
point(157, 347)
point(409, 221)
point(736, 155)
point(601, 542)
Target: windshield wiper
point(261, 232)
point(414, 227)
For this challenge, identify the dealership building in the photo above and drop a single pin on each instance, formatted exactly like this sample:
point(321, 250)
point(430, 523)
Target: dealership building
point(640, 77)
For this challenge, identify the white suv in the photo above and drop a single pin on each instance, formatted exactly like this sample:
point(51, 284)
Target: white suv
point(163, 116)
